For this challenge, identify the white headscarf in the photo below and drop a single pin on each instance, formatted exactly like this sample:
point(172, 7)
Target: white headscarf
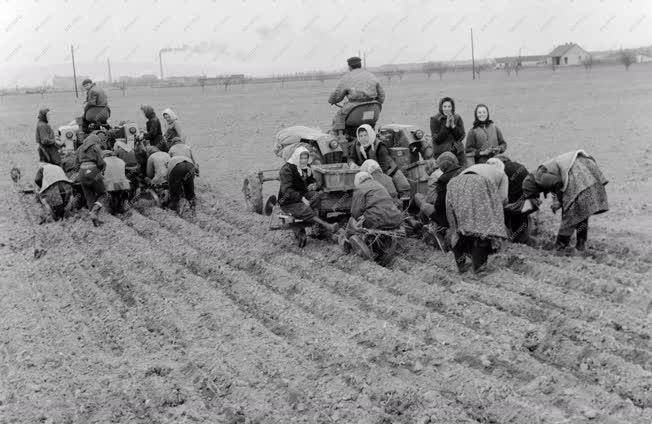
point(361, 177)
point(295, 159)
point(370, 166)
point(497, 163)
point(171, 113)
point(372, 138)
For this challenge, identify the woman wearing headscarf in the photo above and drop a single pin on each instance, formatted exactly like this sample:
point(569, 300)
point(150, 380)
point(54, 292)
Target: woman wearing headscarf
point(485, 139)
point(298, 194)
point(368, 146)
point(577, 187)
point(48, 150)
point(433, 205)
point(372, 204)
point(91, 166)
point(116, 182)
point(173, 126)
point(516, 221)
point(373, 168)
point(447, 130)
point(55, 190)
point(474, 208)
point(153, 133)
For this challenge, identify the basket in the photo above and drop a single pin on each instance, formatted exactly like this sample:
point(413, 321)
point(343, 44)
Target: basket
point(401, 156)
point(418, 177)
point(416, 171)
point(334, 177)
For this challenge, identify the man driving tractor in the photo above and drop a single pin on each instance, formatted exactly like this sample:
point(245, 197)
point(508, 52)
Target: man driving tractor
point(359, 86)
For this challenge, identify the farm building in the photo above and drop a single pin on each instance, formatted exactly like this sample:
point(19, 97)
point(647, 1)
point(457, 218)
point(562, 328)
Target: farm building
point(567, 54)
point(501, 62)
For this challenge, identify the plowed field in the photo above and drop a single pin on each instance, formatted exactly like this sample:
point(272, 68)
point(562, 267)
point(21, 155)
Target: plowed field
point(213, 318)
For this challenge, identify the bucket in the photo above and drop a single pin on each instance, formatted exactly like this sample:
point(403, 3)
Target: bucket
point(334, 177)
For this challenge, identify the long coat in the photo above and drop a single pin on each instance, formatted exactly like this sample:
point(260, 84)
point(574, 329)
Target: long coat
point(372, 201)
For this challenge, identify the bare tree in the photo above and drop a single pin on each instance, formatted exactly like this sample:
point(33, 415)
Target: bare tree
point(388, 75)
point(508, 68)
point(400, 74)
point(627, 57)
point(441, 68)
point(428, 68)
point(321, 76)
point(123, 87)
point(481, 68)
point(588, 63)
point(202, 84)
point(517, 67)
point(283, 79)
point(226, 81)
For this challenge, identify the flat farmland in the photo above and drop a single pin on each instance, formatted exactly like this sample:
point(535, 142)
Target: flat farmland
point(214, 318)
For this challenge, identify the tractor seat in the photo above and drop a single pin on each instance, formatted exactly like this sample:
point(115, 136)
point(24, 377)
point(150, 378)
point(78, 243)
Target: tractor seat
point(364, 113)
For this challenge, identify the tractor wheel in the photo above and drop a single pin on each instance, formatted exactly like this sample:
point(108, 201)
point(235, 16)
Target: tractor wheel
point(252, 189)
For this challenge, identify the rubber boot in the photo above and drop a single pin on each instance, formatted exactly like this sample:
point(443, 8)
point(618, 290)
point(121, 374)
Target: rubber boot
point(95, 212)
point(479, 255)
point(582, 236)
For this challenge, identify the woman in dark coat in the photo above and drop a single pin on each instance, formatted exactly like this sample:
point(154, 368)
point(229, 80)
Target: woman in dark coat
point(577, 186)
point(91, 167)
point(154, 134)
point(484, 140)
point(298, 194)
point(516, 221)
point(48, 150)
point(368, 146)
point(447, 130)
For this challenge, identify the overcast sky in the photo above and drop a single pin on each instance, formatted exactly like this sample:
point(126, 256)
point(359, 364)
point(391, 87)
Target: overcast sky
point(259, 37)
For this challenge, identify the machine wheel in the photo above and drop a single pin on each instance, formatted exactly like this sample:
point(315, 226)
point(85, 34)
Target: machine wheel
point(269, 205)
point(252, 188)
point(384, 249)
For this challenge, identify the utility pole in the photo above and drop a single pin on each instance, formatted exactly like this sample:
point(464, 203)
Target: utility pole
point(108, 62)
point(472, 54)
point(364, 54)
point(74, 71)
point(160, 62)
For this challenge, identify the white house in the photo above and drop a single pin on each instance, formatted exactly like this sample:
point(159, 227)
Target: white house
point(567, 54)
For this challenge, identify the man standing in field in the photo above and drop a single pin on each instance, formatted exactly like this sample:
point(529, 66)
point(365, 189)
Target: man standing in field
point(359, 86)
point(96, 107)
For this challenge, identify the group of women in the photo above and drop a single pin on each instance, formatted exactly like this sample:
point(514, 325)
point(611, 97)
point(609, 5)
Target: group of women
point(110, 171)
point(475, 206)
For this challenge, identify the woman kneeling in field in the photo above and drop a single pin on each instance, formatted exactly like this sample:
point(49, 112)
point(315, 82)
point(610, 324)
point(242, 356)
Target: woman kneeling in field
point(371, 207)
point(474, 207)
point(55, 193)
point(298, 194)
point(577, 186)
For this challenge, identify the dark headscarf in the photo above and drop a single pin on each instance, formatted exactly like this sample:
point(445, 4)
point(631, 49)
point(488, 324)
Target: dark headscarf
point(447, 161)
point(43, 115)
point(441, 104)
point(477, 122)
point(530, 187)
point(148, 111)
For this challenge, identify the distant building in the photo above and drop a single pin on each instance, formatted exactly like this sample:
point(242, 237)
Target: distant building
point(67, 82)
point(567, 55)
point(524, 61)
point(641, 58)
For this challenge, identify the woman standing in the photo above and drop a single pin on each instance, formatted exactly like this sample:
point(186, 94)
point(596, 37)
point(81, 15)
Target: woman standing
point(474, 207)
point(484, 140)
point(577, 186)
point(48, 151)
point(298, 194)
point(154, 133)
point(173, 126)
point(447, 130)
